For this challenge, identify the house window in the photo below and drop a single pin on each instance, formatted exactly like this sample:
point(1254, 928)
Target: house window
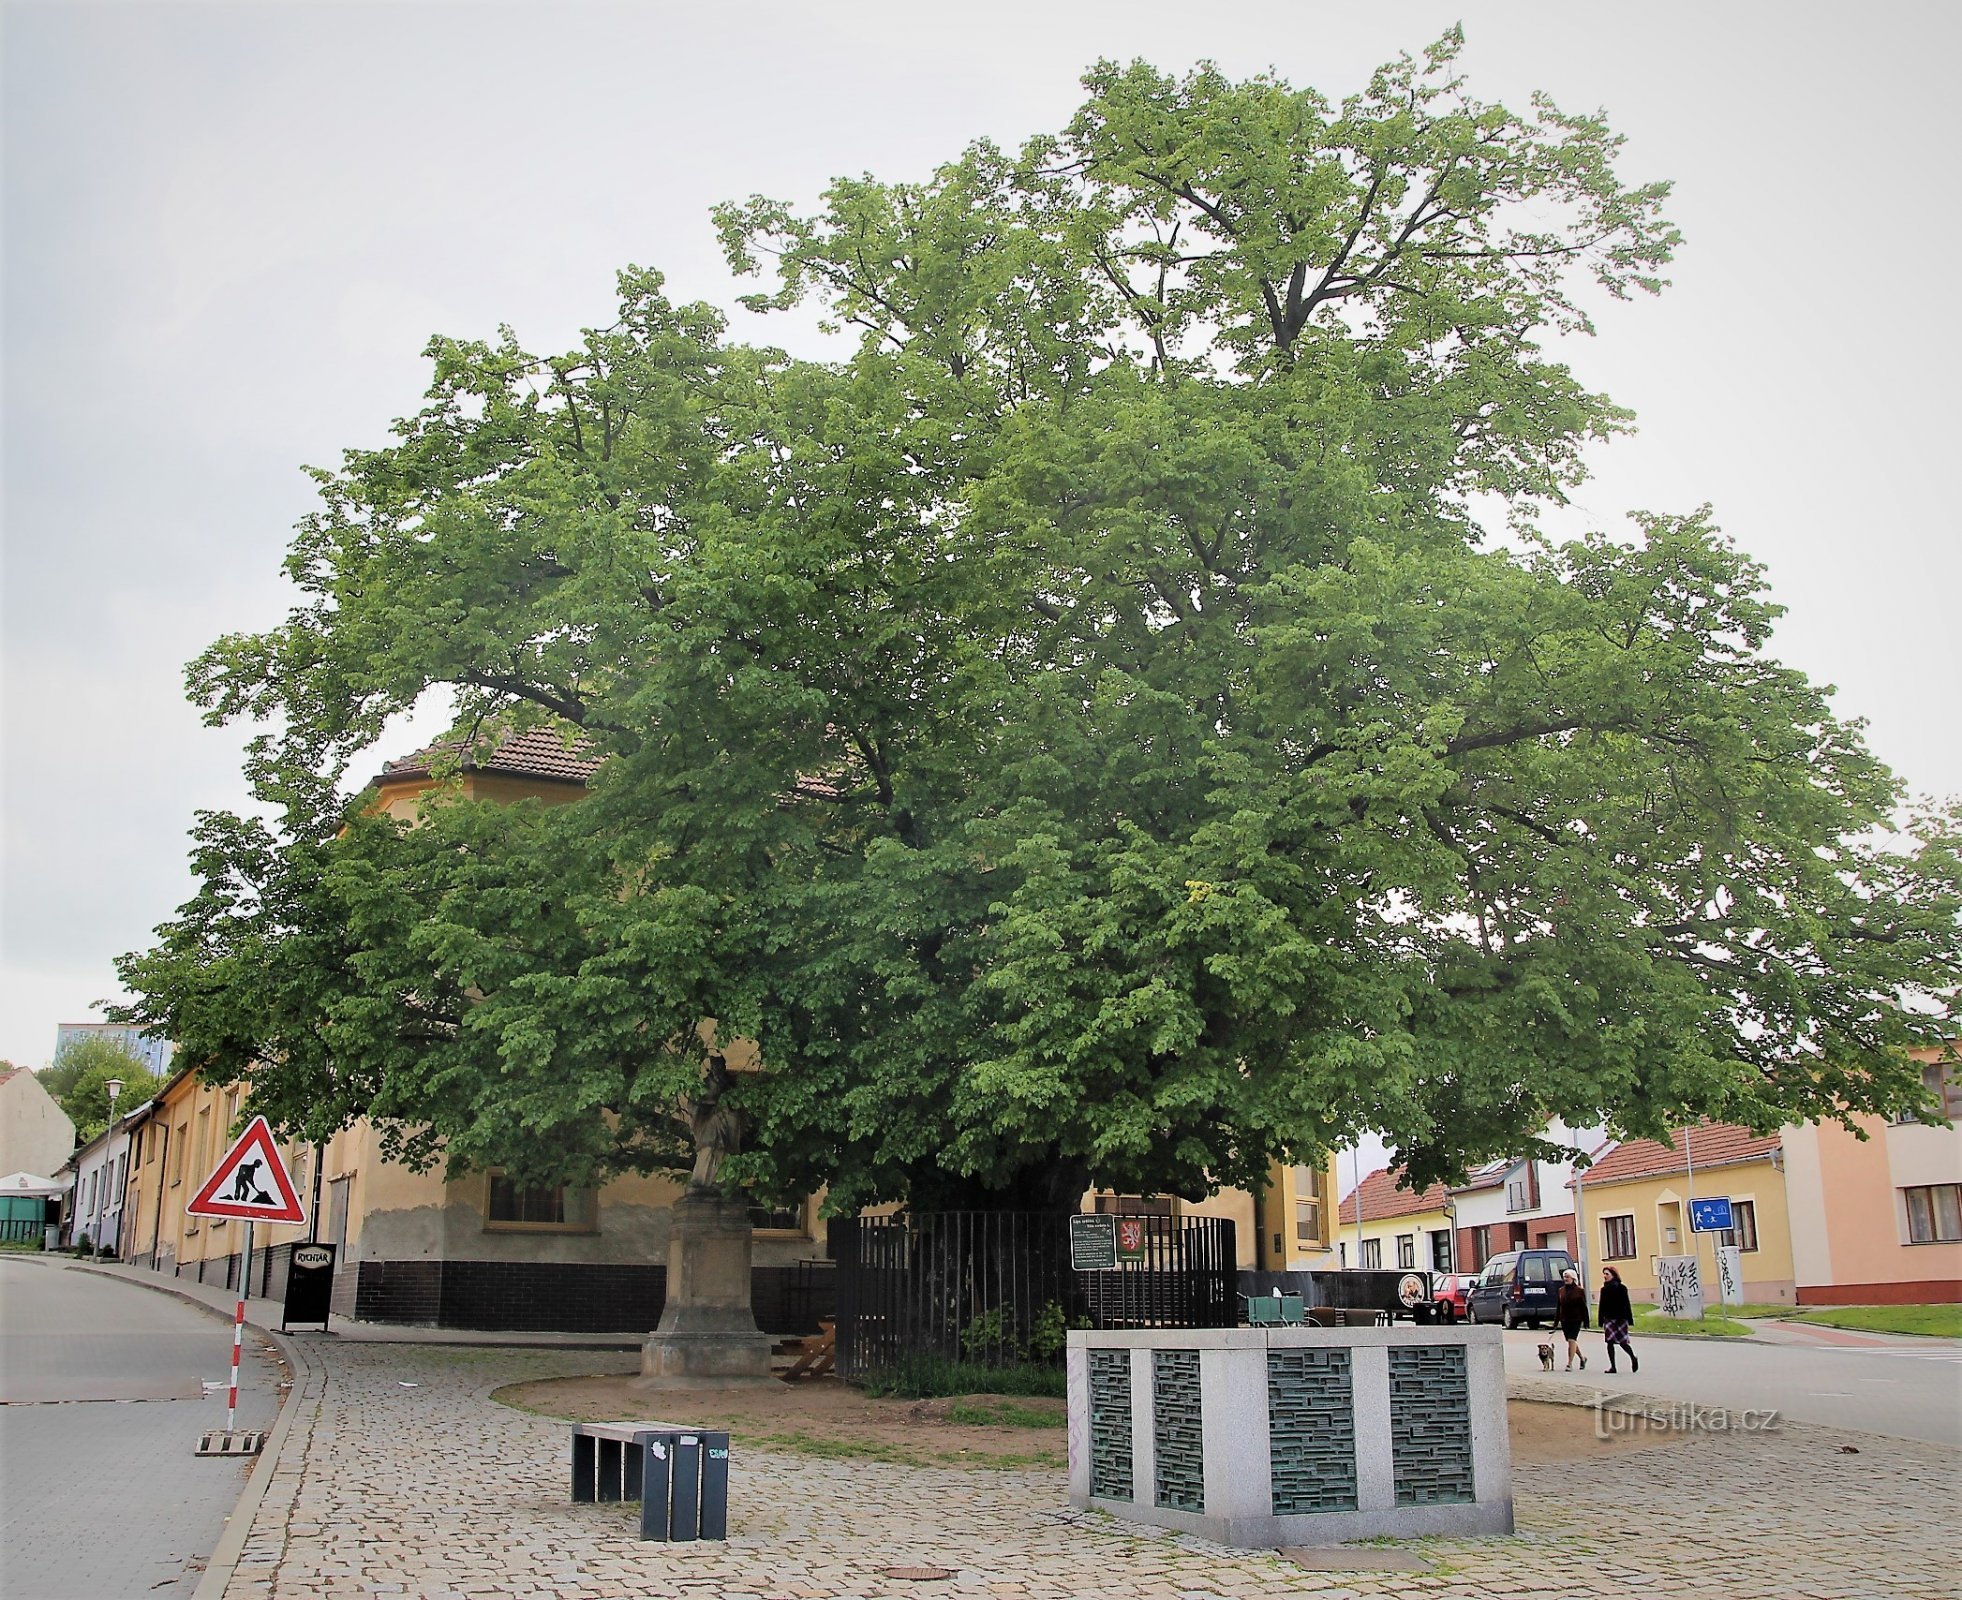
point(777, 1219)
point(1441, 1250)
point(1934, 1213)
point(177, 1152)
point(1371, 1253)
point(1135, 1205)
point(1618, 1238)
point(1523, 1189)
point(1406, 1250)
point(541, 1206)
point(1941, 1085)
point(1743, 1231)
point(1310, 1211)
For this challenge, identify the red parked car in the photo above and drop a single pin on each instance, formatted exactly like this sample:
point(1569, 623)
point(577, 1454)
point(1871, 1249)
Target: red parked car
point(1448, 1294)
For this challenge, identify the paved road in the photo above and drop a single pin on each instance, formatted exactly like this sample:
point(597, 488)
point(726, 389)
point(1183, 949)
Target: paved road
point(1904, 1388)
point(101, 1494)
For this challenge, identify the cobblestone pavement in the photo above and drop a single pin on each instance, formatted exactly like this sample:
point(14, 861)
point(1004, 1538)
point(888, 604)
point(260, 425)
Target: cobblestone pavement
point(401, 1477)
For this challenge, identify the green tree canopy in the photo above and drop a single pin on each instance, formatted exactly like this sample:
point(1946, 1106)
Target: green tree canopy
point(78, 1082)
point(1086, 731)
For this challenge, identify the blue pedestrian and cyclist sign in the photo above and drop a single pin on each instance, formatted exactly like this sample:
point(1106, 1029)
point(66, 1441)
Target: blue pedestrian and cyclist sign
point(1711, 1216)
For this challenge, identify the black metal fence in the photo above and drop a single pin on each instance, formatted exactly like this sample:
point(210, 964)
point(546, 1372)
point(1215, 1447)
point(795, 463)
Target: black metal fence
point(19, 1230)
point(997, 1288)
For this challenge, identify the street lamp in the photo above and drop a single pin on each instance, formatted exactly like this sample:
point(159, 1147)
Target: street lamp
point(115, 1087)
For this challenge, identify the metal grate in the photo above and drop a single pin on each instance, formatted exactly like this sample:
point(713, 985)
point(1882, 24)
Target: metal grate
point(1430, 1425)
point(996, 1287)
point(1110, 1425)
point(1177, 1431)
point(1311, 1428)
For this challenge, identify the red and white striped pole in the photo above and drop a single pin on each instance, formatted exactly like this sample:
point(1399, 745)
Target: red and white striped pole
point(238, 1328)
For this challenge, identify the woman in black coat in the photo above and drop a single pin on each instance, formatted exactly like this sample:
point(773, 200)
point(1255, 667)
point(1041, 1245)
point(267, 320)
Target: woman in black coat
point(1617, 1316)
point(1571, 1309)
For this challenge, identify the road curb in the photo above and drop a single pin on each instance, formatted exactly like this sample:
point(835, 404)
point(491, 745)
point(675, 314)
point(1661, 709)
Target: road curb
point(308, 1381)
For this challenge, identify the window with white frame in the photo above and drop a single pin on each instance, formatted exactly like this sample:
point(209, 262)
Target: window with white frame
point(1371, 1254)
point(1523, 1188)
point(1310, 1207)
point(1618, 1238)
point(1934, 1213)
point(1406, 1250)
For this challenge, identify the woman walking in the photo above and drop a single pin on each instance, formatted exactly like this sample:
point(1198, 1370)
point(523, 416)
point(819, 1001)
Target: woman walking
point(1617, 1315)
point(1571, 1309)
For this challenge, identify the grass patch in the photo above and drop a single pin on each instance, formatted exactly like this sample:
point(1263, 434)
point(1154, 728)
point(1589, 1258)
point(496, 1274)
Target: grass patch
point(932, 1377)
point(809, 1444)
point(798, 1442)
point(1003, 1416)
point(1942, 1322)
point(1648, 1322)
point(20, 1247)
point(1754, 1312)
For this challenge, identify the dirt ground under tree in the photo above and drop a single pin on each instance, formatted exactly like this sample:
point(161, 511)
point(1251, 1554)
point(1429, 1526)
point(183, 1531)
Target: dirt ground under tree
point(825, 1417)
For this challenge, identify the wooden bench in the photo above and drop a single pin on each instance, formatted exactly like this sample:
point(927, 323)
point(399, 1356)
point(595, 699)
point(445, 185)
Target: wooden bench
point(679, 1475)
point(816, 1354)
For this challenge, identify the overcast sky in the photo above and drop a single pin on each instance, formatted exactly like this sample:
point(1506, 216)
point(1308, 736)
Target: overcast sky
point(229, 230)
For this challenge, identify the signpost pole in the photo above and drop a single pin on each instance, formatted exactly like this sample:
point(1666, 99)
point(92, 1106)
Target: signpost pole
point(238, 1328)
point(1689, 1204)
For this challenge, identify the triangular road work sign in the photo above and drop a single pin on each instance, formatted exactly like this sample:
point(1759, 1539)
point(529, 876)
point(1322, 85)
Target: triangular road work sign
point(251, 1183)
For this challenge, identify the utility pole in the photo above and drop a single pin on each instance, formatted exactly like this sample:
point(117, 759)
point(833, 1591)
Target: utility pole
point(1359, 1207)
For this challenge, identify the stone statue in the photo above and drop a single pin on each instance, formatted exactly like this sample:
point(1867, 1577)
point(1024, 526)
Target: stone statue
point(717, 1129)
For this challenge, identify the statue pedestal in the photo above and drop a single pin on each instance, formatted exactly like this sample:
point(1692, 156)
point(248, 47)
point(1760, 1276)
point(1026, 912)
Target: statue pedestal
point(708, 1334)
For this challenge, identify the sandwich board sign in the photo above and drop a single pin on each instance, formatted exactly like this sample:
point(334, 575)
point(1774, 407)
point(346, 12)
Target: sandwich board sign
point(251, 1184)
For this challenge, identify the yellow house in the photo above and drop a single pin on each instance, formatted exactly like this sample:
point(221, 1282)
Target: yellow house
point(483, 1251)
point(189, 1127)
point(1632, 1206)
point(1287, 1227)
point(489, 1253)
point(1385, 1225)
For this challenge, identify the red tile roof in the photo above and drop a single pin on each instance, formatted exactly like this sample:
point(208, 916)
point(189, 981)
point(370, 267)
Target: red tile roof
point(543, 752)
point(1381, 1198)
point(1712, 1144)
point(540, 752)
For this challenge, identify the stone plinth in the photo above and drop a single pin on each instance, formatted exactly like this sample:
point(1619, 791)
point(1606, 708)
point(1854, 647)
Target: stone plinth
point(1293, 1436)
point(708, 1332)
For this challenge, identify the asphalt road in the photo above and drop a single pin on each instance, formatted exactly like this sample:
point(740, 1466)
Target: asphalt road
point(101, 1408)
point(1905, 1388)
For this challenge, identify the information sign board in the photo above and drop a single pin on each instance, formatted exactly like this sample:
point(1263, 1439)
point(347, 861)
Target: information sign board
point(1093, 1243)
point(1710, 1216)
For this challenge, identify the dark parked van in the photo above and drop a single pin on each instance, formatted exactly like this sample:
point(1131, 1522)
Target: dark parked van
point(1519, 1286)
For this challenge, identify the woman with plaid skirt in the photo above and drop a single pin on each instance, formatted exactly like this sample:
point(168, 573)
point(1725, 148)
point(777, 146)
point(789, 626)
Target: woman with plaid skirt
point(1617, 1315)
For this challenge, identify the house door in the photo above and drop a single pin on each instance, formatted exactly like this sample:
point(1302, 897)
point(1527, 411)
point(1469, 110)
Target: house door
point(337, 1192)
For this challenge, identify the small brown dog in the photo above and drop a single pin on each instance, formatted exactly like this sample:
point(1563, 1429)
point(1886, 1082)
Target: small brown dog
point(1546, 1358)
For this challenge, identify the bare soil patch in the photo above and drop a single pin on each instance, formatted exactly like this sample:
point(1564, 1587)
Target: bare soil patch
point(824, 1417)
